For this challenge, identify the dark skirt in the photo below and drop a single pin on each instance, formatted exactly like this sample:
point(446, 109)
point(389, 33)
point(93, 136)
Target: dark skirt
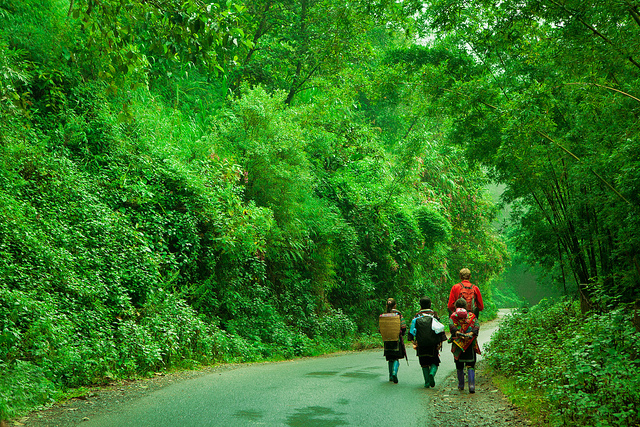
point(467, 357)
point(428, 355)
point(426, 361)
point(394, 350)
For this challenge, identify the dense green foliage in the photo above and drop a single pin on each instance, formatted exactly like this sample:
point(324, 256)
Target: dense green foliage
point(156, 213)
point(551, 109)
point(186, 183)
point(585, 366)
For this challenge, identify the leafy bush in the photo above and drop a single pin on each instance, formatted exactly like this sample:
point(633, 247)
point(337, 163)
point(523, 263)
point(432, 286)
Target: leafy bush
point(335, 327)
point(23, 385)
point(586, 365)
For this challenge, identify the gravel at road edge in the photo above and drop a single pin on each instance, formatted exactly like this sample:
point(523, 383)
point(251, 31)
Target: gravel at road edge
point(486, 407)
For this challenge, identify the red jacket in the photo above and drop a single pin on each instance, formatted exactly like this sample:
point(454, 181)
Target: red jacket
point(454, 295)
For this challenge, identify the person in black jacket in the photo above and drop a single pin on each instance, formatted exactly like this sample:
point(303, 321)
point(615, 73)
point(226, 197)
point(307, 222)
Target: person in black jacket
point(427, 334)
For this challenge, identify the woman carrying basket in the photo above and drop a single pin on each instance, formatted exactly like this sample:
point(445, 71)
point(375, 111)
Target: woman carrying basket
point(393, 328)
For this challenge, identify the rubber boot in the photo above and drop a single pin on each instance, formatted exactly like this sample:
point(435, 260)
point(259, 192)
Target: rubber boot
point(390, 363)
point(396, 365)
point(432, 372)
point(472, 381)
point(426, 373)
point(460, 379)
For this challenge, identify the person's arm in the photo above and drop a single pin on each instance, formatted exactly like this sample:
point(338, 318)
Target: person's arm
point(403, 325)
point(412, 330)
point(479, 302)
point(453, 296)
point(452, 328)
point(475, 328)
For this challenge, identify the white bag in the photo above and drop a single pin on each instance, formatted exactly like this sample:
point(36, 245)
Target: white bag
point(437, 326)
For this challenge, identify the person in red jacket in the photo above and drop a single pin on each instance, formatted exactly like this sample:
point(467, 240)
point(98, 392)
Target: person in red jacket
point(467, 290)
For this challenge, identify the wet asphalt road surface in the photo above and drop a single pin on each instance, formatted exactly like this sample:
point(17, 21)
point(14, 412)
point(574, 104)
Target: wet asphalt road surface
point(339, 390)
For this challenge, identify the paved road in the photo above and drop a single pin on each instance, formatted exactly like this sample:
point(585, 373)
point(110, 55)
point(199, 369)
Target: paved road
point(346, 389)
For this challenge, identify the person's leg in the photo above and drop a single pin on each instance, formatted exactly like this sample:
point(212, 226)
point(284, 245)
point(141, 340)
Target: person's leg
point(460, 372)
point(472, 377)
point(432, 373)
point(390, 363)
point(396, 365)
point(426, 374)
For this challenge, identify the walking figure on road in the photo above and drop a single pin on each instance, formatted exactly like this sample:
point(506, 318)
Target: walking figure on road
point(464, 327)
point(392, 328)
point(467, 290)
point(427, 334)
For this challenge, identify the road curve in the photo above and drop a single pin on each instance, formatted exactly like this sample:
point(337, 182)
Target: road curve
point(337, 390)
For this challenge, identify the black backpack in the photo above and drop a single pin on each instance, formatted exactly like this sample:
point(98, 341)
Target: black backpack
point(425, 335)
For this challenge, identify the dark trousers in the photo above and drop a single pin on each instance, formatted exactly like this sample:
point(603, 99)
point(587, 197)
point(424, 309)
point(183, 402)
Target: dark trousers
point(461, 365)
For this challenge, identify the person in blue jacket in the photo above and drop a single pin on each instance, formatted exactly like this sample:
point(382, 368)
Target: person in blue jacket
point(427, 334)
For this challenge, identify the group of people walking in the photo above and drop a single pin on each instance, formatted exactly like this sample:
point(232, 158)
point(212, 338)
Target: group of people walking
point(427, 333)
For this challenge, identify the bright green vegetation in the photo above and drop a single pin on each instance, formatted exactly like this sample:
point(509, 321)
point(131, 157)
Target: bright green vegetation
point(187, 183)
point(156, 213)
point(569, 368)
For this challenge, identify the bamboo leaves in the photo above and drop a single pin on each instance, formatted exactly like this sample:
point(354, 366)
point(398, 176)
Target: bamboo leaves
point(551, 106)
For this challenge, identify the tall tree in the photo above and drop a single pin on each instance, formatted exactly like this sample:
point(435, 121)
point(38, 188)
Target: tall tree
point(553, 113)
point(294, 41)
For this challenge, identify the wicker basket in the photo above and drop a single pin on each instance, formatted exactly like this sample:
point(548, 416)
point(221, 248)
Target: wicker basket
point(389, 325)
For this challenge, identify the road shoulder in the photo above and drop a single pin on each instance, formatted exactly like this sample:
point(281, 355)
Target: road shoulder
point(487, 407)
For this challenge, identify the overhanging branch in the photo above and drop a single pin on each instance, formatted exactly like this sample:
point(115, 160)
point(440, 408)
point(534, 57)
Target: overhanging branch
point(606, 87)
point(605, 182)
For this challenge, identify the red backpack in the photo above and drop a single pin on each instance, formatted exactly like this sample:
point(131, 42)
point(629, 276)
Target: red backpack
point(469, 295)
